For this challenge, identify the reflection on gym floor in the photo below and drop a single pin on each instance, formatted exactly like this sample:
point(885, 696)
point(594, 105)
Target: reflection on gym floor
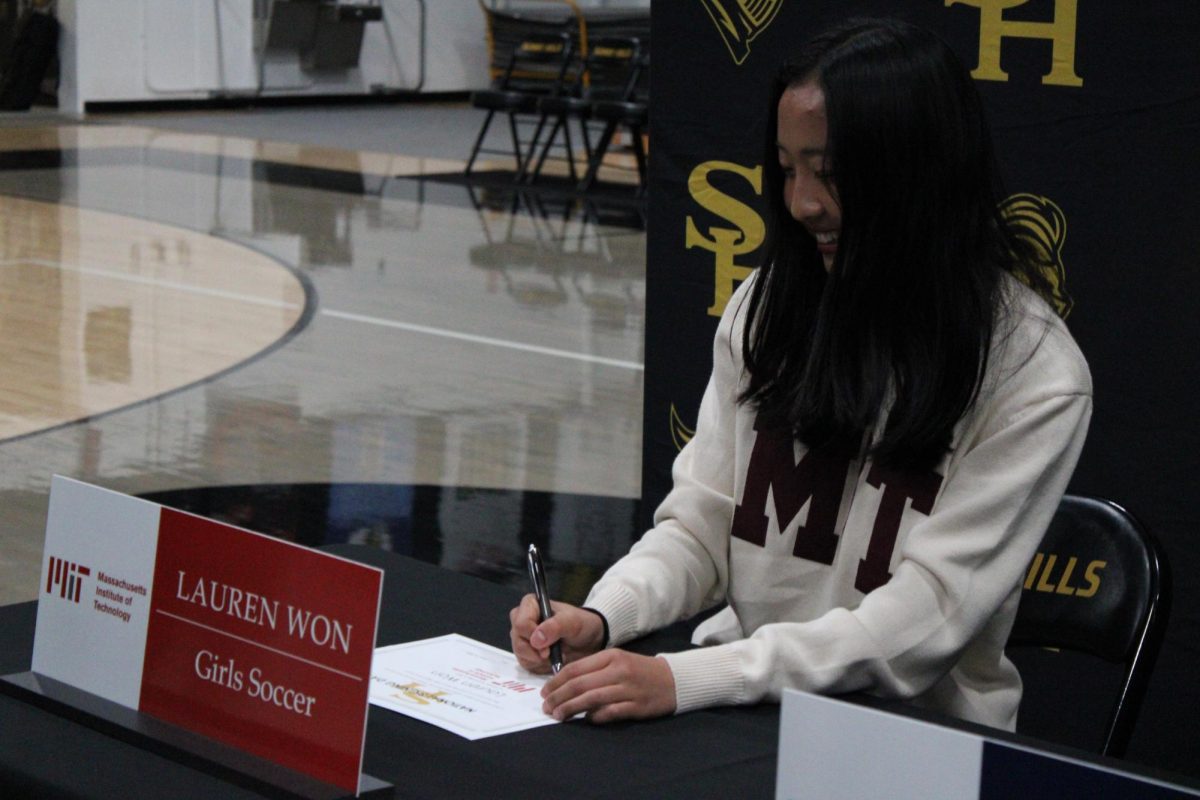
point(321, 345)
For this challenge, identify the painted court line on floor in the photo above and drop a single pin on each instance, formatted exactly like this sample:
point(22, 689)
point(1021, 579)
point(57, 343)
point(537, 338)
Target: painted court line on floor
point(143, 280)
point(484, 340)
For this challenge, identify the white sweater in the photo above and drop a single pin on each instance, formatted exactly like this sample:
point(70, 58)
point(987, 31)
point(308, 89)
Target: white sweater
point(805, 565)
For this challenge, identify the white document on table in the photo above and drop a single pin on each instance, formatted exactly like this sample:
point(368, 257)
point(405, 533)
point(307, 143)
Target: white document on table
point(464, 686)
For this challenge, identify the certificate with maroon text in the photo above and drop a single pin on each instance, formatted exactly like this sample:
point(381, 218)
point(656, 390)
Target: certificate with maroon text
point(250, 640)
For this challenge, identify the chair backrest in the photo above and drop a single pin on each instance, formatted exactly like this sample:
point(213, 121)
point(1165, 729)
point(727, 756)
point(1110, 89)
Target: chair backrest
point(611, 67)
point(1099, 584)
point(506, 30)
point(641, 89)
point(540, 63)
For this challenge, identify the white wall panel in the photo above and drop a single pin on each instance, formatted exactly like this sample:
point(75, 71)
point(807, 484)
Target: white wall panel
point(146, 50)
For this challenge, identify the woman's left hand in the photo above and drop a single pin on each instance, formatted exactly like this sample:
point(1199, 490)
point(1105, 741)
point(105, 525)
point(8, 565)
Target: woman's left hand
point(611, 685)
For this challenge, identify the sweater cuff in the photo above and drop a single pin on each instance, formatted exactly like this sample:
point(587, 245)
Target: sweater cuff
point(604, 622)
point(619, 608)
point(706, 676)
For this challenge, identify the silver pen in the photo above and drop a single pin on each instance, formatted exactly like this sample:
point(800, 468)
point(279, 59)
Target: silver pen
point(537, 576)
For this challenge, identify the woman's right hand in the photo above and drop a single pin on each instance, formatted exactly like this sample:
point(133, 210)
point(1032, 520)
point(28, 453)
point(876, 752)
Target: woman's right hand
point(581, 633)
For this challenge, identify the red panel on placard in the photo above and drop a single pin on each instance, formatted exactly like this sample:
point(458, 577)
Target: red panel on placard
point(261, 644)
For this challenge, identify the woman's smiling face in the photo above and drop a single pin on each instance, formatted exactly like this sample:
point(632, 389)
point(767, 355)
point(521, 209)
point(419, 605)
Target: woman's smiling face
point(808, 188)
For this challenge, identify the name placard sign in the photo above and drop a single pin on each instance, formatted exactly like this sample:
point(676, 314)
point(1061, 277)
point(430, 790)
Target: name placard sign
point(833, 749)
point(255, 642)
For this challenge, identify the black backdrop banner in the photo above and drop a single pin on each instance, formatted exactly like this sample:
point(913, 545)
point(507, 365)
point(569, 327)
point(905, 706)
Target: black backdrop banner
point(1095, 108)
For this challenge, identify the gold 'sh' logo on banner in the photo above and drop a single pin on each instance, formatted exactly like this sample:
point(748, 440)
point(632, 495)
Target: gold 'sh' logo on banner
point(994, 29)
point(743, 233)
point(725, 243)
point(739, 21)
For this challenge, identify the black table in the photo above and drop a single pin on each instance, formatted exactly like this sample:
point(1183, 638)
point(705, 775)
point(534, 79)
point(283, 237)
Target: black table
point(724, 752)
point(721, 752)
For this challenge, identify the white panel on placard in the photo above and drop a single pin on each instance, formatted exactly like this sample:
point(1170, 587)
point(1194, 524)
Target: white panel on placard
point(94, 597)
point(835, 750)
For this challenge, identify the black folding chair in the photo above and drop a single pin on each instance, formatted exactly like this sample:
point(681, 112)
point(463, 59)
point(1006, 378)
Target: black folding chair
point(631, 112)
point(537, 67)
point(609, 71)
point(1100, 586)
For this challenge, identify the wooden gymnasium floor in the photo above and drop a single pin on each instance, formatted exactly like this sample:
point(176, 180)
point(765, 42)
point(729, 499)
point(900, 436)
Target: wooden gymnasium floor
point(312, 342)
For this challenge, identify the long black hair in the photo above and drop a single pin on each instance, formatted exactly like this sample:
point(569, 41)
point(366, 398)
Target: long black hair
point(904, 319)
